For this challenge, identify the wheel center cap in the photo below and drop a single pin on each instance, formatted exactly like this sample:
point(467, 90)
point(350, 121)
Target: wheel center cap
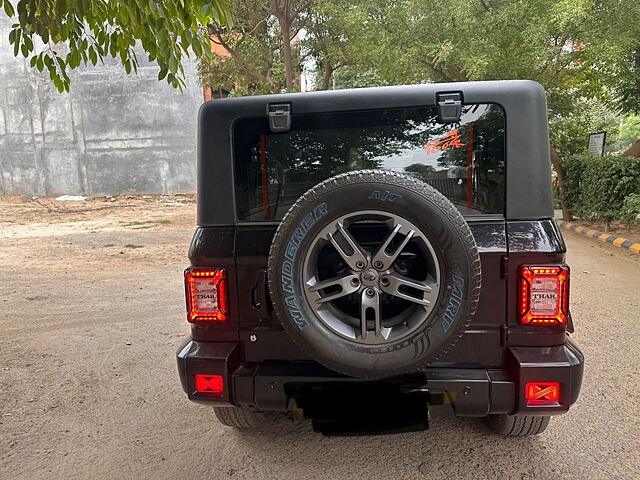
point(369, 277)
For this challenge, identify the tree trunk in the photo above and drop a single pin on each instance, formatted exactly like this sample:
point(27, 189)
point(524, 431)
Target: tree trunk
point(326, 77)
point(557, 165)
point(285, 28)
point(285, 15)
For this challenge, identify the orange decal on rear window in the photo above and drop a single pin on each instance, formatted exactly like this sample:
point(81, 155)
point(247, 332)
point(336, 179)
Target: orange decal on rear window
point(450, 140)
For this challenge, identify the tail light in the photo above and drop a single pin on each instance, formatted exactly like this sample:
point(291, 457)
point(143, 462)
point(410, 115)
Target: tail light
point(212, 385)
point(206, 291)
point(544, 295)
point(542, 393)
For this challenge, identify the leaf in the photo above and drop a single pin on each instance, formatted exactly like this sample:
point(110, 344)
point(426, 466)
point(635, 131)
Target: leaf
point(206, 9)
point(163, 72)
point(93, 56)
point(28, 42)
point(8, 8)
point(173, 64)
point(196, 47)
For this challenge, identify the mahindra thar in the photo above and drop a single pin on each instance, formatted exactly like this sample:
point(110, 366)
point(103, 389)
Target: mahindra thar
point(368, 258)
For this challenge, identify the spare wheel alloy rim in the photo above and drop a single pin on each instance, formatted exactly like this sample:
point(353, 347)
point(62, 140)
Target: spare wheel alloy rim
point(372, 277)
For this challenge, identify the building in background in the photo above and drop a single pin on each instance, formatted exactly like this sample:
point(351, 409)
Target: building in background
point(113, 133)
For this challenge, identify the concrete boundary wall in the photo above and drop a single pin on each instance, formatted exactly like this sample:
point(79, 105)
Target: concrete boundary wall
point(113, 133)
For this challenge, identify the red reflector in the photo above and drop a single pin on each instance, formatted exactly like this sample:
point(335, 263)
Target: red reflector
point(206, 294)
point(543, 295)
point(212, 385)
point(542, 393)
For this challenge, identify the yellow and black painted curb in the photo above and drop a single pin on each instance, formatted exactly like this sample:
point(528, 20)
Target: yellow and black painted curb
point(614, 240)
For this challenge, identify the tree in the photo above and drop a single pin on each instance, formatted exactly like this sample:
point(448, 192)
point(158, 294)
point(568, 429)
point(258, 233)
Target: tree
point(420, 170)
point(571, 121)
point(261, 50)
point(559, 43)
point(585, 49)
point(272, 42)
point(628, 133)
point(61, 35)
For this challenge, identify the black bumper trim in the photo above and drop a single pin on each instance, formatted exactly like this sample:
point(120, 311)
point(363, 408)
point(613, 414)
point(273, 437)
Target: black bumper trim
point(453, 391)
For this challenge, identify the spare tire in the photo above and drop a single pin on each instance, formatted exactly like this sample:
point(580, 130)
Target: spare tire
point(374, 273)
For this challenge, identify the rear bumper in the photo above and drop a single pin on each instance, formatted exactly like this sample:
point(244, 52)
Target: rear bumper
point(451, 391)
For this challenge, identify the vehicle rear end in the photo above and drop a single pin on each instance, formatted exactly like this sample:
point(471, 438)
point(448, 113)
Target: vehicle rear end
point(484, 147)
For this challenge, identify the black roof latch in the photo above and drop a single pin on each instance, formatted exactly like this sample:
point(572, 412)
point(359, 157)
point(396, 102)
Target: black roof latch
point(279, 117)
point(449, 107)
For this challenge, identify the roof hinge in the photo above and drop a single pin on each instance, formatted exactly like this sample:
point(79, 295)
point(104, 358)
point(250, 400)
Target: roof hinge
point(449, 107)
point(279, 117)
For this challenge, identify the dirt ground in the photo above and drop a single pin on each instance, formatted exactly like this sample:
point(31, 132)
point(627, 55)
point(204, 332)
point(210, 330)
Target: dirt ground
point(92, 311)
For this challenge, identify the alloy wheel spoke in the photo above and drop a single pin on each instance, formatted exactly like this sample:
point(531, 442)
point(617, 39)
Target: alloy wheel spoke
point(370, 303)
point(395, 281)
point(347, 283)
point(382, 260)
point(357, 260)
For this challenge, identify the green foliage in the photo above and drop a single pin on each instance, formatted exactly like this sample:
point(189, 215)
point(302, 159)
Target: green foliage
point(261, 52)
point(572, 119)
point(627, 88)
point(420, 171)
point(357, 77)
point(560, 43)
point(630, 209)
point(60, 35)
point(596, 188)
point(252, 63)
point(628, 133)
point(573, 168)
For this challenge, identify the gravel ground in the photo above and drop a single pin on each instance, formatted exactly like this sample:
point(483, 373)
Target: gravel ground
point(91, 314)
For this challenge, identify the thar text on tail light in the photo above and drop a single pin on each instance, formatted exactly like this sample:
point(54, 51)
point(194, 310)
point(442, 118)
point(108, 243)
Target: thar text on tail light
point(206, 292)
point(543, 295)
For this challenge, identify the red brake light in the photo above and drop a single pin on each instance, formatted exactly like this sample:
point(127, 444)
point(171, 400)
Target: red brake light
point(542, 393)
point(212, 385)
point(544, 295)
point(206, 294)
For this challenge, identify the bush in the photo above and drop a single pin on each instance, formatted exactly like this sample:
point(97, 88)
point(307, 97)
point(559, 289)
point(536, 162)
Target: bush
point(631, 210)
point(596, 187)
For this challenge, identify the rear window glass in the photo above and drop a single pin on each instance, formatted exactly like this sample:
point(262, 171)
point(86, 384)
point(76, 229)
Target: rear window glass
point(466, 161)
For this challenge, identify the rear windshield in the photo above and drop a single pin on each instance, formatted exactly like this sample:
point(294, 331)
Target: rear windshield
point(466, 161)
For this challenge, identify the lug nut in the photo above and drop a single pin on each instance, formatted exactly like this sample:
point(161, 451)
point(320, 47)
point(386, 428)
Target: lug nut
point(360, 265)
point(369, 292)
point(384, 281)
point(378, 264)
point(355, 282)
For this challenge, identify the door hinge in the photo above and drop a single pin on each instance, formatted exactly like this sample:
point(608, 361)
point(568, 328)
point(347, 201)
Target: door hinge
point(260, 297)
point(449, 107)
point(279, 117)
point(504, 267)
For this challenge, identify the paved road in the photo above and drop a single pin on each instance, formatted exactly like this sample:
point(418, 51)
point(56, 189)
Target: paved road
point(88, 386)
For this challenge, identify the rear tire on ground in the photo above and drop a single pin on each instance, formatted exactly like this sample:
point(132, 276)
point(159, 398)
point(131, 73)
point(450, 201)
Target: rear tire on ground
point(518, 425)
point(242, 417)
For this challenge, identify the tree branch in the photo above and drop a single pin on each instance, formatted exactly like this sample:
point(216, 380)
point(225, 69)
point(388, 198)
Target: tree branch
point(253, 71)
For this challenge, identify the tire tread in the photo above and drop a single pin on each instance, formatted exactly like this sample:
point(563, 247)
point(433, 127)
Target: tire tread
point(518, 425)
point(237, 417)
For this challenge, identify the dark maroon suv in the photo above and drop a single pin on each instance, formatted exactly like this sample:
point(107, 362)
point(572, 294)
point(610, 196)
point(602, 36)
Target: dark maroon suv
point(372, 257)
